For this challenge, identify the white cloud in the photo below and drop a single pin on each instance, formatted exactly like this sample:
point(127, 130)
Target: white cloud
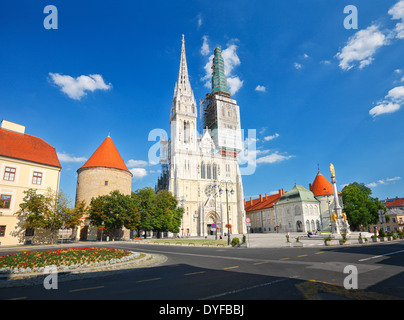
point(361, 47)
point(64, 157)
point(136, 163)
point(392, 102)
point(273, 158)
point(382, 181)
point(200, 21)
point(306, 56)
point(76, 88)
point(231, 61)
point(234, 84)
point(397, 13)
point(205, 46)
point(260, 88)
point(269, 138)
point(138, 173)
point(297, 65)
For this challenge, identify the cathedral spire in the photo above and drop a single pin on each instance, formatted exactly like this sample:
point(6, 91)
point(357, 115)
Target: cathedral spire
point(183, 86)
point(219, 81)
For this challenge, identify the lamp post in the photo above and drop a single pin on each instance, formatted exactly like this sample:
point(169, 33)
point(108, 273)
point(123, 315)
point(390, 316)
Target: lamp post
point(102, 229)
point(227, 207)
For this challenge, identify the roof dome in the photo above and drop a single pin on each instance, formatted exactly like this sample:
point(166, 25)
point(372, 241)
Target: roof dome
point(321, 186)
point(107, 156)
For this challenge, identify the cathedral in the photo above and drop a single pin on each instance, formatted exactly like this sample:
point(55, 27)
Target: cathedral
point(201, 169)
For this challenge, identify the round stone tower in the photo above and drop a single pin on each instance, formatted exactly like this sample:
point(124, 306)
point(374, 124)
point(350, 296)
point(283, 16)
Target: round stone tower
point(105, 171)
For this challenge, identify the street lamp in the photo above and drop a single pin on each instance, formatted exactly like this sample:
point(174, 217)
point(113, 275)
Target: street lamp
point(102, 229)
point(227, 205)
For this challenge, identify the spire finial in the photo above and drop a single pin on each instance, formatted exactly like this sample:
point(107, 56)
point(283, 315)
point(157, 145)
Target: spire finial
point(318, 167)
point(109, 134)
point(183, 40)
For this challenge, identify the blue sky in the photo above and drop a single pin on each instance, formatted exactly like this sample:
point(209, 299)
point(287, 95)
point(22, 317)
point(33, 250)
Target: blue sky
point(314, 91)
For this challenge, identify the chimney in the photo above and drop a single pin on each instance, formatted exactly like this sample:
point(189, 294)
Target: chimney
point(11, 126)
point(250, 201)
point(260, 197)
point(266, 197)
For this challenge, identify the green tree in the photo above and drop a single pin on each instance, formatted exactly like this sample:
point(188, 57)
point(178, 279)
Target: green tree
point(146, 201)
point(47, 211)
point(113, 212)
point(359, 206)
point(168, 215)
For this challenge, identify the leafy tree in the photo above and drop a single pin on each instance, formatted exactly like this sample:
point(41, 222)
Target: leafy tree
point(47, 211)
point(359, 206)
point(146, 200)
point(114, 211)
point(158, 212)
point(167, 215)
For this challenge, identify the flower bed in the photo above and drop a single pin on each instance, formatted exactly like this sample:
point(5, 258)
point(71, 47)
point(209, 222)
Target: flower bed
point(63, 259)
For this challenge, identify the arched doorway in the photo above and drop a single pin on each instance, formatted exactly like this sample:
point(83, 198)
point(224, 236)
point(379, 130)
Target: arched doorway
point(299, 226)
point(211, 218)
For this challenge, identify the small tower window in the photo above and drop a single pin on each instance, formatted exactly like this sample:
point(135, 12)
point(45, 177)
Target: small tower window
point(105, 183)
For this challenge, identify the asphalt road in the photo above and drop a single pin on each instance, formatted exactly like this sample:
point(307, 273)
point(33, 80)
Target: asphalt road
point(240, 274)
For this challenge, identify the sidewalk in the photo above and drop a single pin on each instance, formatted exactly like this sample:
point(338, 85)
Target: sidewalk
point(278, 240)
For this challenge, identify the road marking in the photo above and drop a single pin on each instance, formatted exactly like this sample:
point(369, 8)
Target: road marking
point(19, 298)
point(85, 289)
point(302, 255)
point(231, 268)
point(284, 259)
point(320, 252)
point(382, 255)
point(146, 280)
point(243, 289)
point(192, 273)
point(261, 262)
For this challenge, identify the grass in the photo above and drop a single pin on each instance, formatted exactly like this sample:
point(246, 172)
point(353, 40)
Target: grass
point(64, 257)
point(190, 241)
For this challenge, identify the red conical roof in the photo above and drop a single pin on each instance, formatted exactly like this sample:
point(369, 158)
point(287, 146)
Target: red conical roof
point(106, 155)
point(321, 186)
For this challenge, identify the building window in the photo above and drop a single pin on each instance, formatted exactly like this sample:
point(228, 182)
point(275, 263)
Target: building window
point(9, 174)
point(105, 183)
point(214, 172)
point(37, 178)
point(203, 170)
point(208, 171)
point(2, 231)
point(5, 201)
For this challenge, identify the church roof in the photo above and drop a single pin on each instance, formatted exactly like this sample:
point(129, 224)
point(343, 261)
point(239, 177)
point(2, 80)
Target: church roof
point(297, 194)
point(26, 147)
point(107, 156)
point(321, 186)
point(261, 202)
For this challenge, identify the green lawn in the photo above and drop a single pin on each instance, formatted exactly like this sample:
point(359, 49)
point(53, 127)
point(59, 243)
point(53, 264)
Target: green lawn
point(197, 242)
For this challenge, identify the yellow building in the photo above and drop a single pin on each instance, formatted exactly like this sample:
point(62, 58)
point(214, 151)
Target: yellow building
point(26, 162)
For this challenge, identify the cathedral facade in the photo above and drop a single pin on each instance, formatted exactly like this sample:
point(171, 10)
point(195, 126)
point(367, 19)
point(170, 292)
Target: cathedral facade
point(201, 169)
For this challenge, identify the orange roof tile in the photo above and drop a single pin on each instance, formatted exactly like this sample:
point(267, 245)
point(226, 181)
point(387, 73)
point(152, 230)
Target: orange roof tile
point(321, 186)
point(26, 147)
point(106, 155)
point(263, 202)
point(398, 202)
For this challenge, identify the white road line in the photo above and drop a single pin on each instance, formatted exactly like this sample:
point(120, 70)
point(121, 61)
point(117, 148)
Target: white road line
point(382, 255)
point(243, 289)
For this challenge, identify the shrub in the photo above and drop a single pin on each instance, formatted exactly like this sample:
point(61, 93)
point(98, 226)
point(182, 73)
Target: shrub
point(235, 242)
point(244, 239)
point(327, 239)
